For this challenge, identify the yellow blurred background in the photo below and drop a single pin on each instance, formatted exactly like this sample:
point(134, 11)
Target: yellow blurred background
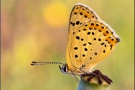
point(37, 30)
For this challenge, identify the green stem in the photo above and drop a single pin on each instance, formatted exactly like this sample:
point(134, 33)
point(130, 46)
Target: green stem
point(83, 85)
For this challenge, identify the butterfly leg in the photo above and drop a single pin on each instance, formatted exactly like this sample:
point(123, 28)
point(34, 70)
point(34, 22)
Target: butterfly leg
point(74, 77)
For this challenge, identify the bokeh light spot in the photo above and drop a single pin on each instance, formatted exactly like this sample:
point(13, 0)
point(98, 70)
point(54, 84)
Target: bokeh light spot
point(56, 14)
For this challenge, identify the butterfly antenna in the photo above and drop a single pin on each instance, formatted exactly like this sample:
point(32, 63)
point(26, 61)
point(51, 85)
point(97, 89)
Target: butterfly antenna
point(44, 63)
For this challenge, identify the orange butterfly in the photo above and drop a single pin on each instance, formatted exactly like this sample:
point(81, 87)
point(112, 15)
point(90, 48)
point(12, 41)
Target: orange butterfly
point(90, 40)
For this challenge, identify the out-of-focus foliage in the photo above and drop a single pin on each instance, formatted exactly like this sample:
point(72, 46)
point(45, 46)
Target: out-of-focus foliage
point(37, 30)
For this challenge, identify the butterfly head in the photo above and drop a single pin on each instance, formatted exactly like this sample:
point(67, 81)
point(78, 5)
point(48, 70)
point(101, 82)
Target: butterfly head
point(64, 69)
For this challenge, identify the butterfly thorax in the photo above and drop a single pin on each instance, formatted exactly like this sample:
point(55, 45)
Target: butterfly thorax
point(74, 71)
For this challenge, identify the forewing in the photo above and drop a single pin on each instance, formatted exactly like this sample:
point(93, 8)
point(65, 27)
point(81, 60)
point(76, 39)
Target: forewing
point(79, 14)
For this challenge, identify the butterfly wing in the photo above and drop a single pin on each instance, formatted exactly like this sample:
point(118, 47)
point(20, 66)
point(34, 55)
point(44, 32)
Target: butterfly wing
point(79, 14)
point(89, 39)
point(96, 41)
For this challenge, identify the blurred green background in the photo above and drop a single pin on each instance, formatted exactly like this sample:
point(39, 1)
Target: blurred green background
point(38, 29)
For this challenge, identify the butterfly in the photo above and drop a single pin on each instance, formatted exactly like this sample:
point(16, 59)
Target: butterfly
point(90, 40)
